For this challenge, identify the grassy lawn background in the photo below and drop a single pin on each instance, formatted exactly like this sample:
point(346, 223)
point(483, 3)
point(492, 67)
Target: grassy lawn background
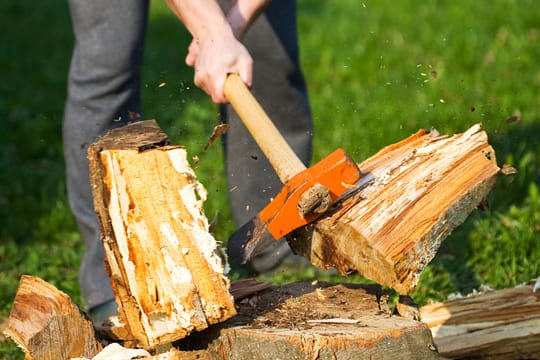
point(377, 71)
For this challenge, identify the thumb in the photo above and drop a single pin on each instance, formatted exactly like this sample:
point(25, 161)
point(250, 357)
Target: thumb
point(193, 53)
point(190, 59)
point(245, 71)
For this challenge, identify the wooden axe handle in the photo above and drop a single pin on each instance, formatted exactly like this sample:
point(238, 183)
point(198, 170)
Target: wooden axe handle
point(282, 157)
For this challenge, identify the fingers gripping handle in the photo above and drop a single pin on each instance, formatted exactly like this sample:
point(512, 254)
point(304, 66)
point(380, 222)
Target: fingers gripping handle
point(282, 157)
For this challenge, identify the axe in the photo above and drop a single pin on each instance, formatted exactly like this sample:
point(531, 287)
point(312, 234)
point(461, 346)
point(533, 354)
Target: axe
point(307, 193)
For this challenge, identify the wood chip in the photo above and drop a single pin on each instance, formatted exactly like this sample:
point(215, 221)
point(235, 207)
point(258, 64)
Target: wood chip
point(218, 131)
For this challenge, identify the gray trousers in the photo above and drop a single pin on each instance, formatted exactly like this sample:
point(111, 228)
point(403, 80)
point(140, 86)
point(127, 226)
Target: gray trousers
point(104, 92)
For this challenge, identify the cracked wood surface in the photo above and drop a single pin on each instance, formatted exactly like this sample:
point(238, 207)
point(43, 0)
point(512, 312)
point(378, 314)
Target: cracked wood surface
point(47, 325)
point(497, 324)
point(166, 275)
point(424, 187)
point(304, 321)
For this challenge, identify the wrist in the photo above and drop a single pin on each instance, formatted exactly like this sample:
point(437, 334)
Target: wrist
point(237, 21)
point(217, 29)
point(243, 13)
point(205, 20)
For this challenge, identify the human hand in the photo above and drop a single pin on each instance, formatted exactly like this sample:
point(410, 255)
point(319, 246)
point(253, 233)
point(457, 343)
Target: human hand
point(213, 59)
point(238, 24)
point(216, 50)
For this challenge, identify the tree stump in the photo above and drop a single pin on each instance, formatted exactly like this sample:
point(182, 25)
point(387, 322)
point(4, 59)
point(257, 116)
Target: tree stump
point(166, 275)
point(47, 325)
point(388, 231)
point(314, 321)
point(304, 321)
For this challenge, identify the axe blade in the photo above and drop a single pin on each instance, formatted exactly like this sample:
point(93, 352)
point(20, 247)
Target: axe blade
point(336, 173)
point(249, 240)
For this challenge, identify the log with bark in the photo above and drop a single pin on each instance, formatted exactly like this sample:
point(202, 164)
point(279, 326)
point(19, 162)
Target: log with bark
point(501, 324)
point(424, 187)
point(47, 325)
point(166, 275)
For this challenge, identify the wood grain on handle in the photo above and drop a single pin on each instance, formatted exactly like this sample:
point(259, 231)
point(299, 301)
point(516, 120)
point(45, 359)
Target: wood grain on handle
point(276, 149)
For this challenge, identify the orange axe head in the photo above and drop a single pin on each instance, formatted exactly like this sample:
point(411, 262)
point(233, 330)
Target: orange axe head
point(302, 199)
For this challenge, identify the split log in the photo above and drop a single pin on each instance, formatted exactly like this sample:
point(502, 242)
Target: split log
point(47, 325)
point(305, 321)
point(502, 324)
point(166, 275)
point(424, 187)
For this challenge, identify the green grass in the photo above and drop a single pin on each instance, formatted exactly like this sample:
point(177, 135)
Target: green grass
point(377, 71)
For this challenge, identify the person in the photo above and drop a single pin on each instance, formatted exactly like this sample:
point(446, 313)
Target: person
point(255, 38)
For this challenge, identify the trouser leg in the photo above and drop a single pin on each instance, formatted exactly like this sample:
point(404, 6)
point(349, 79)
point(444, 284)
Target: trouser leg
point(279, 86)
point(103, 93)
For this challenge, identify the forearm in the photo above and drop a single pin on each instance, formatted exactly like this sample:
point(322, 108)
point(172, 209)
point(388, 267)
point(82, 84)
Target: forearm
point(242, 14)
point(204, 19)
point(215, 50)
